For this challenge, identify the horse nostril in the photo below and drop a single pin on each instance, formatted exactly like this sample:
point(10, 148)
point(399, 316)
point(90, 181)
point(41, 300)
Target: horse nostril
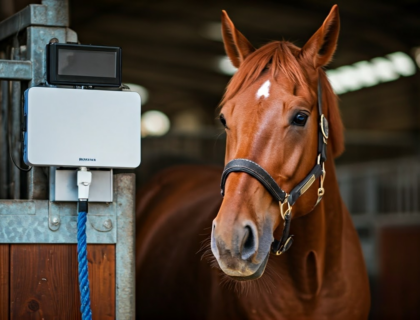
point(249, 238)
point(248, 243)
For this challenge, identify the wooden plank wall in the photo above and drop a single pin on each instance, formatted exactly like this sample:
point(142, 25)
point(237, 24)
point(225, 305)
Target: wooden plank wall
point(4, 281)
point(43, 281)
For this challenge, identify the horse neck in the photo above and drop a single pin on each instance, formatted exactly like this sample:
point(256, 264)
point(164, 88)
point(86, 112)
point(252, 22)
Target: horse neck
point(318, 240)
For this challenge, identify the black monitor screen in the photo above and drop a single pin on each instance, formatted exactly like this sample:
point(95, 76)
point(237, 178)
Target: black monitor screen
point(87, 63)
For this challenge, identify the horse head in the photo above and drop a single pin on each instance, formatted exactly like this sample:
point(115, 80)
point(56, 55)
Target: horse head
point(270, 115)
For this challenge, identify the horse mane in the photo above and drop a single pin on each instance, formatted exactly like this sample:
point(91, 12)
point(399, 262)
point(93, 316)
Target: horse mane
point(282, 56)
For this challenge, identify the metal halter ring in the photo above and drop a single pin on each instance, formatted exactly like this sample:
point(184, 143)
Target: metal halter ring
point(324, 126)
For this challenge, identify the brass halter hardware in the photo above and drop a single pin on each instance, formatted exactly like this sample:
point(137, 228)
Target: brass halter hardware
point(279, 247)
point(321, 190)
point(289, 207)
point(323, 124)
point(287, 245)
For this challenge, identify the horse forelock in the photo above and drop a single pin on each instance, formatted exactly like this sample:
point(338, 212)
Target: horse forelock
point(283, 57)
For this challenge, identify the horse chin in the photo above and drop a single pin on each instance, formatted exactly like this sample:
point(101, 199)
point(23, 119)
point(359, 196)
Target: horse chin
point(258, 274)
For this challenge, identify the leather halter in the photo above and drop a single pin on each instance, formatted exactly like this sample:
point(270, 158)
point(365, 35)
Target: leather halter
point(286, 200)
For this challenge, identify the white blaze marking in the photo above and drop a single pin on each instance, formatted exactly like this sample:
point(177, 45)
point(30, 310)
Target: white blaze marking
point(264, 90)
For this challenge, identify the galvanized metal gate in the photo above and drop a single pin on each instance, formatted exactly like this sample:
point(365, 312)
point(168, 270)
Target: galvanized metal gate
point(27, 216)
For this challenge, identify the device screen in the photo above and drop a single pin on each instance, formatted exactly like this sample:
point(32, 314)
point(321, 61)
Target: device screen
point(87, 63)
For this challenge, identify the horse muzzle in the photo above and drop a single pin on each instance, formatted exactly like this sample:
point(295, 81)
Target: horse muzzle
point(243, 255)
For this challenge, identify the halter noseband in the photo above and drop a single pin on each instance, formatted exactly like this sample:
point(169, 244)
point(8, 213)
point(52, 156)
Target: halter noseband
point(286, 201)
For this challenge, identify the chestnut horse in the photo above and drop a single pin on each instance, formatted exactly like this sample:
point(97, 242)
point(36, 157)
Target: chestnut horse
point(271, 118)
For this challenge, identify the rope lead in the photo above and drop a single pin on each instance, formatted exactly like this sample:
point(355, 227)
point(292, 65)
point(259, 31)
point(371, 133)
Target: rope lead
point(84, 179)
point(83, 266)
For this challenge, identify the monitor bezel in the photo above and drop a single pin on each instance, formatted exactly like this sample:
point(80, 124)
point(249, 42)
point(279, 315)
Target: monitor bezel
point(56, 79)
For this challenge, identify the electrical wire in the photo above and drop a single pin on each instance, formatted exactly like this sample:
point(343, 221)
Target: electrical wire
point(11, 156)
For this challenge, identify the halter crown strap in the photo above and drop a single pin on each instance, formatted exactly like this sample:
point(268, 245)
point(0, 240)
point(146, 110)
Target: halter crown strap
point(323, 128)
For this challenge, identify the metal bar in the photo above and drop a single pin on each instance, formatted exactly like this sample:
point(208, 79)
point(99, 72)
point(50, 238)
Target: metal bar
point(125, 248)
point(33, 14)
point(15, 137)
point(23, 221)
point(57, 13)
point(37, 184)
point(50, 13)
point(15, 70)
point(37, 40)
point(16, 131)
point(7, 207)
point(4, 153)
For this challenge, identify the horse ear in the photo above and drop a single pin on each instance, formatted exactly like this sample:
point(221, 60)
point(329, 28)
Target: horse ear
point(321, 46)
point(236, 45)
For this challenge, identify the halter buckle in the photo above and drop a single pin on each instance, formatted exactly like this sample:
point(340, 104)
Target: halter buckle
point(289, 207)
point(321, 190)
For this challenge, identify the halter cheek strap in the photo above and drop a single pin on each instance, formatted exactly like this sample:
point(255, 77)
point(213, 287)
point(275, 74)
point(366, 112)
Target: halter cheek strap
point(286, 201)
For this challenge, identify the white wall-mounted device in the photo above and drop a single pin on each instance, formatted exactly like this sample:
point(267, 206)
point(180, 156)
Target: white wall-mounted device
point(81, 127)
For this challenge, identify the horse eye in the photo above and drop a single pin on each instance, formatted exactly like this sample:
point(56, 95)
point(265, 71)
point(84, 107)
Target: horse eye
point(223, 120)
point(300, 119)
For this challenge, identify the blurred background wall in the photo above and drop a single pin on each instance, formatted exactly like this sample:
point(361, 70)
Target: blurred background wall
point(173, 56)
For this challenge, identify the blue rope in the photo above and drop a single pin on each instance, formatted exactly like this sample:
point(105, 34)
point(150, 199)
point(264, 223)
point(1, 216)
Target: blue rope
point(83, 267)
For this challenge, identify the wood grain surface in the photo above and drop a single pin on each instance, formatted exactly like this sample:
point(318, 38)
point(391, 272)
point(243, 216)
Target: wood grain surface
point(4, 281)
point(44, 285)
